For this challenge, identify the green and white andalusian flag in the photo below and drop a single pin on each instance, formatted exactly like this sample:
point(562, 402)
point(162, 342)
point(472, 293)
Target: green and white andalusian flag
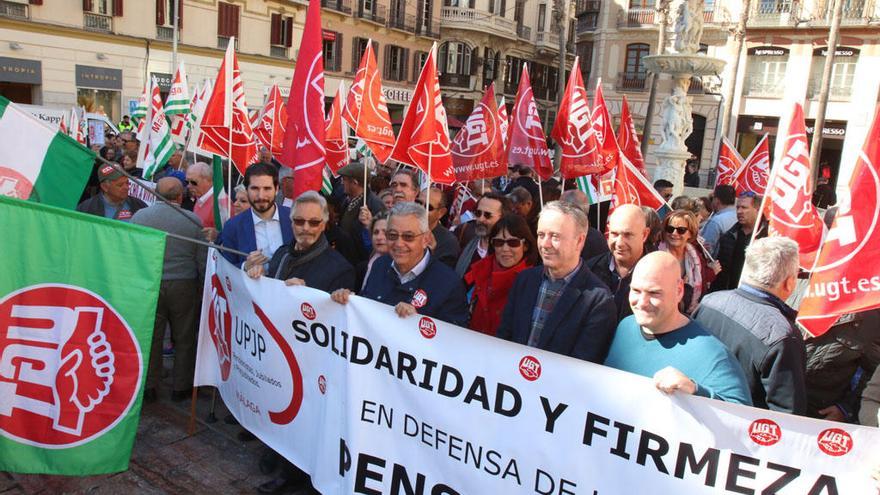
point(154, 133)
point(177, 107)
point(40, 163)
point(326, 182)
point(585, 185)
point(75, 333)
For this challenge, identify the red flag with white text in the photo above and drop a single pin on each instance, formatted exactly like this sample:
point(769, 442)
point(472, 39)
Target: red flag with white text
point(631, 187)
point(609, 152)
point(226, 124)
point(755, 172)
point(503, 123)
point(729, 164)
point(304, 131)
point(336, 134)
point(478, 148)
point(270, 126)
point(844, 278)
point(424, 136)
point(366, 110)
point(573, 131)
point(628, 140)
point(527, 144)
point(789, 205)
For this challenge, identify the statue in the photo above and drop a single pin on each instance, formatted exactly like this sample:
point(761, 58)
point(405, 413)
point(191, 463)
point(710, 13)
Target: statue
point(677, 125)
point(689, 26)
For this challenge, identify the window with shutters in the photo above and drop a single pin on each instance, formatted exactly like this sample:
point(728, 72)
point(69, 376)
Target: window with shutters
point(332, 47)
point(358, 47)
point(165, 19)
point(585, 52)
point(490, 65)
point(280, 35)
point(418, 62)
point(227, 23)
point(103, 7)
point(454, 58)
point(424, 24)
point(513, 72)
point(542, 17)
point(395, 63)
point(98, 14)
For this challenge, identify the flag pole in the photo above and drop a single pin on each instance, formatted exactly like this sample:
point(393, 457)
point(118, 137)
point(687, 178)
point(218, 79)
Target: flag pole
point(540, 193)
point(428, 191)
point(366, 172)
point(229, 174)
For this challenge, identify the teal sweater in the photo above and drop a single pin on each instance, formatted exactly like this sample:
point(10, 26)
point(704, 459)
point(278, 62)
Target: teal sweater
point(690, 349)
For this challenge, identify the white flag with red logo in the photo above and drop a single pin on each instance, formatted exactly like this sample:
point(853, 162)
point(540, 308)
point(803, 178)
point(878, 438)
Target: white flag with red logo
point(304, 130)
point(76, 127)
point(789, 206)
point(226, 126)
point(503, 122)
point(755, 172)
point(628, 140)
point(366, 110)
point(478, 148)
point(845, 277)
point(573, 131)
point(527, 144)
point(609, 152)
point(336, 133)
point(729, 164)
point(424, 136)
point(270, 125)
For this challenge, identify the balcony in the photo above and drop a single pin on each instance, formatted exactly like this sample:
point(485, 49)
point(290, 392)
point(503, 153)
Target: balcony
point(764, 87)
point(639, 16)
point(430, 30)
point(404, 23)
point(586, 6)
point(524, 32)
point(779, 14)
point(97, 22)
point(13, 10)
point(835, 92)
point(343, 6)
point(855, 12)
point(165, 33)
point(377, 15)
point(455, 80)
point(477, 20)
point(223, 42)
point(696, 87)
point(547, 40)
point(631, 81)
point(587, 22)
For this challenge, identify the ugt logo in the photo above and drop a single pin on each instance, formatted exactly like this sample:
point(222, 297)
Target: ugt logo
point(70, 366)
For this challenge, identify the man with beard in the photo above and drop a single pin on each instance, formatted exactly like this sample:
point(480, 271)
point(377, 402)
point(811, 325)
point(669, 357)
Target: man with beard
point(259, 232)
point(489, 210)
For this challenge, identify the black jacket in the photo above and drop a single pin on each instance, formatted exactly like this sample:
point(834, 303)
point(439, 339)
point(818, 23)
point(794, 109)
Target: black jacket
point(760, 332)
point(732, 255)
point(600, 266)
point(95, 206)
point(581, 325)
point(327, 272)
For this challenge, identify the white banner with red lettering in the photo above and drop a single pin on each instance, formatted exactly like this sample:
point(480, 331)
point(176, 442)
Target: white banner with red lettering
point(367, 402)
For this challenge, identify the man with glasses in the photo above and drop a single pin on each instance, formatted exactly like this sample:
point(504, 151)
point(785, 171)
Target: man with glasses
point(258, 231)
point(200, 185)
point(732, 245)
point(561, 306)
point(489, 210)
point(444, 245)
point(409, 277)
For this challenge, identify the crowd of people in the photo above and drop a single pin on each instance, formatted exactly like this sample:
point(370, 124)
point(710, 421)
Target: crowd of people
point(700, 300)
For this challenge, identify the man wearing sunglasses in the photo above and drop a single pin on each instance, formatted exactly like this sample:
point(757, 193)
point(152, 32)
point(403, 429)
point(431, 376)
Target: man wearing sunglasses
point(409, 277)
point(489, 210)
point(561, 306)
point(200, 184)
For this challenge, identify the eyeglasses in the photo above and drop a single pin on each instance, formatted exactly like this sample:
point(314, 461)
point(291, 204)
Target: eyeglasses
point(393, 235)
point(192, 182)
point(480, 213)
point(680, 230)
point(299, 222)
point(515, 242)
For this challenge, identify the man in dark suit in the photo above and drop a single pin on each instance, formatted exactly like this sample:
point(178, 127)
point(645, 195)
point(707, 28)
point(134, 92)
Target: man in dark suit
point(265, 227)
point(561, 306)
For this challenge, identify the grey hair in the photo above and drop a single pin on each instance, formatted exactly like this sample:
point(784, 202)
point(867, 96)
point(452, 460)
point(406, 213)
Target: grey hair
point(239, 188)
point(311, 197)
point(410, 209)
point(203, 169)
point(770, 261)
point(572, 211)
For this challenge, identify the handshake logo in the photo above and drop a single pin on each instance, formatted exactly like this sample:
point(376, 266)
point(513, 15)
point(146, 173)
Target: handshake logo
point(69, 366)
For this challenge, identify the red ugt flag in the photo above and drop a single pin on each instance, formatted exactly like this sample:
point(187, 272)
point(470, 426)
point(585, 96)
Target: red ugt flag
point(424, 136)
point(790, 209)
point(729, 164)
point(844, 278)
point(631, 187)
point(270, 128)
point(365, 109)
point(304, 133)
point(755, 172)
point(336, 136)
point(609, 152)
point(527, 144)
point(478, 149)
point(628, 140)
point(574, 132)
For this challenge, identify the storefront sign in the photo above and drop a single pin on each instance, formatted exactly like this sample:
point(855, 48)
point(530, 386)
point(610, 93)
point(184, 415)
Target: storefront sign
point(841, 51)
point(163, 80)
point(768, 51)
point(98, 77)
point(16, 70)
point(834, 130)
point(397, 95)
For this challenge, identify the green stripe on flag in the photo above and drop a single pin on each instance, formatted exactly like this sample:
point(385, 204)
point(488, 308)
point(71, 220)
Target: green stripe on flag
point(3, 103)
point(217, 165)
point(62, 181)
point(586, 186)
point(326, 182)
point(74, 269)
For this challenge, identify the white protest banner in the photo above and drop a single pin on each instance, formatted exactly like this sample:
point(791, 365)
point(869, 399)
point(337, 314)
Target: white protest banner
point(96, 132)
point(136, 191)
point(367, 402)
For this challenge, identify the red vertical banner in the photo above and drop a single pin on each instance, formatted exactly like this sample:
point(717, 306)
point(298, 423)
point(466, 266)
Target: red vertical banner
point(527, 144)
point(573, 131)
point(365, 109)
point(755, 171)
point(336, 135)
point(609, 152)
point(478, 148)
point(628, 140)
point(270, 127)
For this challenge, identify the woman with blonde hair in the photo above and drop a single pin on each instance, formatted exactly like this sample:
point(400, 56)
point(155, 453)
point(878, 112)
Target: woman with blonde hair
point(679, 238)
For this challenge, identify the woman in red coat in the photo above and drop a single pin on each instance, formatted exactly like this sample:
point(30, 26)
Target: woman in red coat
point(512, 249)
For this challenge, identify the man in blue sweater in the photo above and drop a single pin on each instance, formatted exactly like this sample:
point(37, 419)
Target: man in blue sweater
point(659, 341)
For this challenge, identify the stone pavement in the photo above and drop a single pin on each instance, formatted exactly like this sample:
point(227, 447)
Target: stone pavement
point(165, 459)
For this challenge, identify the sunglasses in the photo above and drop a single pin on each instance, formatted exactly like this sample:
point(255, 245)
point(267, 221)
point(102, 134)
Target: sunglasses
point(299, 222)
point(192, 182)
point(680, 230)
point(514, 242)
point(430, 207)
point(748, 194)
point(392, 236)
point(480, 213)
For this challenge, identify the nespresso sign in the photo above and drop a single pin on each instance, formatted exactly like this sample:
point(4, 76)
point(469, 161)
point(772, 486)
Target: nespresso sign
point(98, 77)
point(768, 51)
point(16, 70)
point(841, 51)
point(163, 80)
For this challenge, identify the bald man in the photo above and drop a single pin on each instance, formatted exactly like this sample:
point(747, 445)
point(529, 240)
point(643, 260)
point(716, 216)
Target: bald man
point(659, 341)
point(627, 233)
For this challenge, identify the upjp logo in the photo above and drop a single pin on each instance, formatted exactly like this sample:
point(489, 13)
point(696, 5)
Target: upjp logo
point(308, 311)
point(427, 327)
point(765, 432)
point(290, 411)
point(530, 368)
point(70, 366)
point(835, 442)
point(220, 326)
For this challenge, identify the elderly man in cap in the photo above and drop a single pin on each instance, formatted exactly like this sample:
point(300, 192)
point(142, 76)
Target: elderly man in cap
point(354, 210)
point(112, 201)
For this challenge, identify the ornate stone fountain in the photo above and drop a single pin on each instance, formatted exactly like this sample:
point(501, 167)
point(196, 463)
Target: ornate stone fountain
point(675, 112)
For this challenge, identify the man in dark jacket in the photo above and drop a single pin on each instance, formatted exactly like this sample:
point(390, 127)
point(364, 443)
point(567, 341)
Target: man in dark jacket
point(756, 325)
point(113, 200)
point(733, 243)
point(353, 185)
point(445, 245)
point(561, 306)
point(410, 278)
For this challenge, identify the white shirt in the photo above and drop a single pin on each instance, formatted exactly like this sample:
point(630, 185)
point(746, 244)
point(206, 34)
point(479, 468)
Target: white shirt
point(267, 233)
point(416, 270)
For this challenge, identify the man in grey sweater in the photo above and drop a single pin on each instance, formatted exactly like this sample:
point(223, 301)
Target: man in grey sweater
point(180, 291)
